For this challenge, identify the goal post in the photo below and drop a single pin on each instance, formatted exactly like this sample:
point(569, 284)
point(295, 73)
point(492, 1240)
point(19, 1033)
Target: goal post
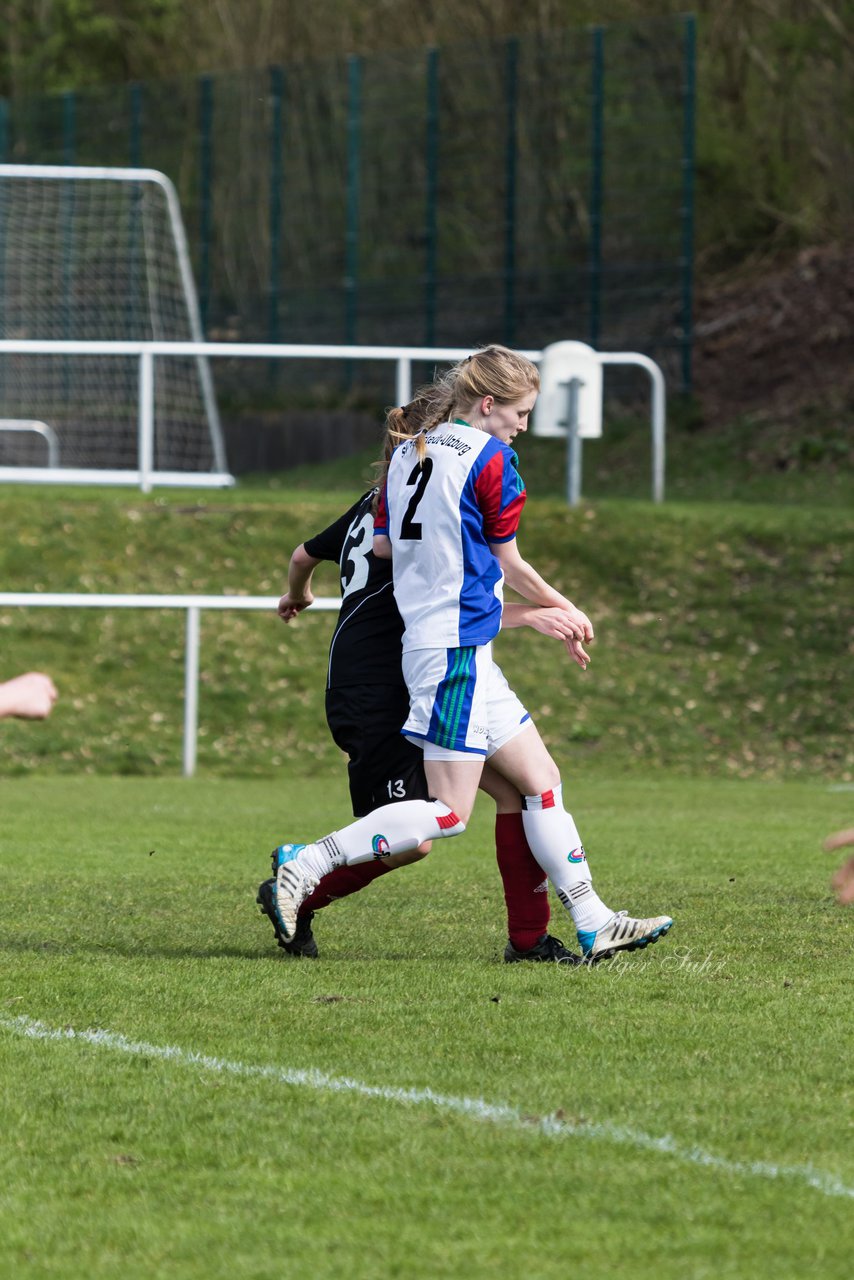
point(99, 255)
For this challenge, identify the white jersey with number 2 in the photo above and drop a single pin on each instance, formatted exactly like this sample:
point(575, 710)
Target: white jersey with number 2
point(441, 514)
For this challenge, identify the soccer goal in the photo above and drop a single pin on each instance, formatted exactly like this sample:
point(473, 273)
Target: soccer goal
point(91, 257)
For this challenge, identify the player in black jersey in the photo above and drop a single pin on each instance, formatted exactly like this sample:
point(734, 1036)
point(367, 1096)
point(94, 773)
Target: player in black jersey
point(366, 704)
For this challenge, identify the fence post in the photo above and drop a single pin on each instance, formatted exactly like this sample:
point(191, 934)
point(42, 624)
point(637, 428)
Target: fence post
point(146, 419)
point(69, 126)
point(597, 86)
point(689, 89)
point(4, 143)
point(354, 139)
point(135, 151)
point(69, 129)
point(510, 155)
point(658, 442)
point(69, 121)
point(206, 176)
point(431, 185)
point(135, 140)
point(277, 84)
point(403, 380)
point(573, 444)
point(191, 690)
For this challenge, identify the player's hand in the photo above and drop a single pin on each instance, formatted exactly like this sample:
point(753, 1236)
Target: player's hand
point(555, 622)
point(563, 624)
point(290, 606)
point(29, 697)
point(576, 651)
point(843, 880)
point(582, 622)
point(843, 883)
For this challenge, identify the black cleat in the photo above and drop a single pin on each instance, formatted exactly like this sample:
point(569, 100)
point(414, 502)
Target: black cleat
point(548, 948)
point(302, 943)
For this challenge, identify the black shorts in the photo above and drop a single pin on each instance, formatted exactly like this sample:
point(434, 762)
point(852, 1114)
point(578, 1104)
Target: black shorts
point(365, 721)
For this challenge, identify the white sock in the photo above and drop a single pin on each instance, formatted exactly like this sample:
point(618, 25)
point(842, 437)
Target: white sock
point(556, 845)
point(393, 828)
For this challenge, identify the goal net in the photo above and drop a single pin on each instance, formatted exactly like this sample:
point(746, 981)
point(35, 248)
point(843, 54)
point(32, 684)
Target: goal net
point(100, 256)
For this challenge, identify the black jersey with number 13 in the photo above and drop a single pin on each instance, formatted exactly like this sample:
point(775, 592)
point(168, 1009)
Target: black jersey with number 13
point(366, 644)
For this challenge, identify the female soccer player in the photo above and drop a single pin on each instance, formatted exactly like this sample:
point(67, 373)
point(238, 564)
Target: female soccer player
point(366, 704)
point(448, 518)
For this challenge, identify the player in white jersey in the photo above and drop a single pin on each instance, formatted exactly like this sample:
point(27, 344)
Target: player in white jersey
point(448, 519)
point(466, 491)
point(367, 702)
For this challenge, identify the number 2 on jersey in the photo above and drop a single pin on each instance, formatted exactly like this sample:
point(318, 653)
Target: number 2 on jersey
point(419, 475)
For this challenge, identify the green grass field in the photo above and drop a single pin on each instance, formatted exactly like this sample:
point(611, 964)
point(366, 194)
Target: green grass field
point(724, 632)
point(182, 1100)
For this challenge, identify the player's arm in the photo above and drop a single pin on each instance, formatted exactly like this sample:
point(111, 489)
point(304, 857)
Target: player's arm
point(327, 545)
point(549, 620)
point(500, 497)
point(524, 579)
point(299, 594)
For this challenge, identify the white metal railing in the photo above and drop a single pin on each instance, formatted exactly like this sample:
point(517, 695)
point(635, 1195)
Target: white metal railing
point(402, 357)
point(19, 426)
point(657, 409)
point(193, 605)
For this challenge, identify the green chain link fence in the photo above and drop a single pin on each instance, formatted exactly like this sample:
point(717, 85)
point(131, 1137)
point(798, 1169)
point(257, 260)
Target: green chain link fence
point(521, 191)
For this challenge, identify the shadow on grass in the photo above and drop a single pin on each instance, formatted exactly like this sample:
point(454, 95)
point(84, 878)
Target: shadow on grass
point(51, 946)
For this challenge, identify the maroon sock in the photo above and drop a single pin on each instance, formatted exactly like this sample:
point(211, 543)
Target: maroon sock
point(525, 883)
point(341, 882)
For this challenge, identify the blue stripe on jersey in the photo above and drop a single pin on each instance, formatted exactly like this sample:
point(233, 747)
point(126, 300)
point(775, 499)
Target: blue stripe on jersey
point(452, 705)
point(480, 608)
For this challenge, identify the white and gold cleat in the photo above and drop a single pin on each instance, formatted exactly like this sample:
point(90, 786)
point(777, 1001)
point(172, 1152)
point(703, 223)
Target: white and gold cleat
point(621, 933)
point(293, 883)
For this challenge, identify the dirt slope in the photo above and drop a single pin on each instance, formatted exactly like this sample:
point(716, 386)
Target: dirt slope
point(776, 343)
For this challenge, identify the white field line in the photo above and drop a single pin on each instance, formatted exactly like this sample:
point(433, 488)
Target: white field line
point(556, 1125)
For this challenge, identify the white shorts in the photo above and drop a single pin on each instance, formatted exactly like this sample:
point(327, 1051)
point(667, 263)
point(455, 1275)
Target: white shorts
point(459, 701)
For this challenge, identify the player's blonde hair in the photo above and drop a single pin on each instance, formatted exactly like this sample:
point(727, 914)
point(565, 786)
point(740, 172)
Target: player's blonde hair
point(491, 371)
point(426, 409)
